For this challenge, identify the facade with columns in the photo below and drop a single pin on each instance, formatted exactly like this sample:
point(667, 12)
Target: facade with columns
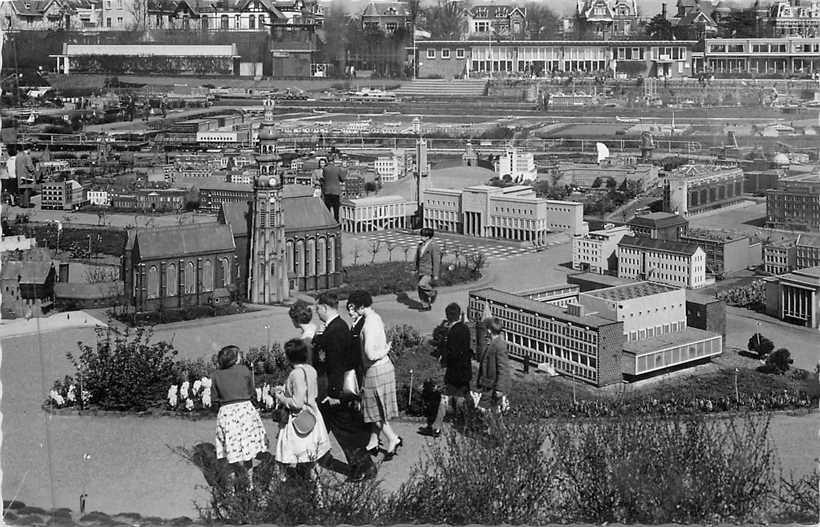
point(795, 297)
point(511, 213)
point(179, 267)
point(376, 213)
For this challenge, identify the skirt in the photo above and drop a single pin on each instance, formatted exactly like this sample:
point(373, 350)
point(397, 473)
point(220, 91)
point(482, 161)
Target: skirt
point(292, 448)
point(379, 392)
point(240, 434)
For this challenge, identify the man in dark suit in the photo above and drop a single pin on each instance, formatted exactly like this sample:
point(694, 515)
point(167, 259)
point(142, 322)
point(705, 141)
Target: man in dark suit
point(455, 354)
point(334, 354)
point(332, 177)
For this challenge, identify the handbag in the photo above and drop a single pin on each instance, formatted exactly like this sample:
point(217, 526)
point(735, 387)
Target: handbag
point(304, 421)
point(350, 384)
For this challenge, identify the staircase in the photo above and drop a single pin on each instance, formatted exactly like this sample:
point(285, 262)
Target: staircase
point(440, 88)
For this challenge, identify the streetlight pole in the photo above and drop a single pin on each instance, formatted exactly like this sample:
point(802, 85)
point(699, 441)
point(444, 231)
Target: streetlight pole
point(267, 338)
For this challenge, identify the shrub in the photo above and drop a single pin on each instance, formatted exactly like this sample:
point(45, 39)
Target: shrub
point(296, 501)
point(778, 362)
point(760, 345)
point(402, 338)
point(665, 470)
point(125, 370)
point(192, 369)
point(492, 478)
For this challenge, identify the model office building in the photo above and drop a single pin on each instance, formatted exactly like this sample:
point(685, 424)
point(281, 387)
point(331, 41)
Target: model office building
point(604, 336)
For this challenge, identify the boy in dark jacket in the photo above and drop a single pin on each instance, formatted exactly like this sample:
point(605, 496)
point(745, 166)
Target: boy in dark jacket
point(494, 376)
point(455, 355)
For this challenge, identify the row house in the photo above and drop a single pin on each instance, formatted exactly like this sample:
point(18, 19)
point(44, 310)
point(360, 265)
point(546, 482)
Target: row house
point(35, 15)
point(485, 20)
point(606, 19)
point(229, 15)
point(795, 18)
point(387, 17)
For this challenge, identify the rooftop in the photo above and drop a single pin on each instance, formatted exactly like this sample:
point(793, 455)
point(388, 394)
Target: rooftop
point(658, 220)
point(540, 308)
point(603, 280)
point(27, 272)
point(808, 276)
point(668, 340)
point(619, 293)
point(659, 245)
point(171, 241)
point(808, 240)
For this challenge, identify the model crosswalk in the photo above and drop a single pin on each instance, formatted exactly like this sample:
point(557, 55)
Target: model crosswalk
point(493, 250)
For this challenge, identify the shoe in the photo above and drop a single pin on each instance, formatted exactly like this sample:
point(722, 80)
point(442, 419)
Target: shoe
point(393, 453)
point(429, 431)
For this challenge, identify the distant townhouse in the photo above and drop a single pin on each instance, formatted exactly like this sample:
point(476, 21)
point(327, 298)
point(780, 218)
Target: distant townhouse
point(489, 19)
point(606, 19)
point(36, 15)
point(512, 213)
point(674, 263)
point(658, 226)
point(393, 167)
point(387, 17)
point(795, 18)
point(790, 253)
point(211, 195)
point(151, 200)
point(693, 20)
point(597, 252)
point(99, 198)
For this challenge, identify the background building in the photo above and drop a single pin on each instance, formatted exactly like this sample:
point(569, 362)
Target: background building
point(376, 213)
point(517, 164)
point(794, 297)
point(606, 19)
point(725, 253)
point(795, 204)
point(597, 252)
point(179, 266)
point(675, 263)
point(62, 195)
point(759, 56)
point(694, 188)
point(489, 19)
point(659, 226)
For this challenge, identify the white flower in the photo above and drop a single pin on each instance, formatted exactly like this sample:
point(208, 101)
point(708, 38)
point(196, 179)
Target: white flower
point(206, 398)
point(172, 395)
point(206, 383)
point(183, 390)
point(197, 386)
point(56, 397)
point(189, 404)
point(86, 396)
point(71, 396)
point(259, 394)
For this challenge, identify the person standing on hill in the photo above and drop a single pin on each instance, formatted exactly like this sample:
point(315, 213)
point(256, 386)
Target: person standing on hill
point(494, 379)
point(428, 261)
point(332, 178)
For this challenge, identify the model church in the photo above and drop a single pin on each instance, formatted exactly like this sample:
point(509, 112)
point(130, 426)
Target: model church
point(282, 240)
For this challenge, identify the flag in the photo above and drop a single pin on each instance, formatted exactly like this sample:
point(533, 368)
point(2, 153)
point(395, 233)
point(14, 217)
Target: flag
point(603, 151)
point(420, 33)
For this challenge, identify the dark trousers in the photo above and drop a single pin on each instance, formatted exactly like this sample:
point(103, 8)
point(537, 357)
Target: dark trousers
point(348, 427)
point(332, 204)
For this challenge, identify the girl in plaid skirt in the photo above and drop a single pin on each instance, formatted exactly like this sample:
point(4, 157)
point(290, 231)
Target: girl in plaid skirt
point(378, 396)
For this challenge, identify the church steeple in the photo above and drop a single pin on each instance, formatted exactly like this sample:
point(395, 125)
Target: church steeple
point(267, 156)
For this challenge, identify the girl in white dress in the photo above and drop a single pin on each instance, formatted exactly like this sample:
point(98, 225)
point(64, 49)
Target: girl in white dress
point(295, 450)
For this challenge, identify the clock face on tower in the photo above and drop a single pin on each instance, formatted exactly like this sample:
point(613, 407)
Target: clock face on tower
point(273, 181)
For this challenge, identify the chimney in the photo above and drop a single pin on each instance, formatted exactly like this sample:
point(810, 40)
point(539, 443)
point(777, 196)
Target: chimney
point(663, 10)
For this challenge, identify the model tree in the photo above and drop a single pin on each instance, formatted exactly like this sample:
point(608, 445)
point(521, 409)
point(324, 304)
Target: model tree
point(760, 345)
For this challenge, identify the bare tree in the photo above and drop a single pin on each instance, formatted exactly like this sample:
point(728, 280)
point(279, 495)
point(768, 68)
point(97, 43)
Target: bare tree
point(478, 260)
point(375, 245)
point(406, 250)
point(138, 9)
point(457, 254)
point(390, 246)
point(357, 252)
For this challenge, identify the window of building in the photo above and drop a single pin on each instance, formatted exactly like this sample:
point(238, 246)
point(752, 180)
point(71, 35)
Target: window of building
point(226, 272)
point(261, 21)
point(431, 53)
point(207, 276)
point(300, 258)
point(153, 282)
point(391, 27)
point(311, 257)
point(252, 22)
point(108, 22)
point(171, 280)
point(445, 53)
point(119, 21)
point(223, 20)
point(190, 278)
point(321, 261)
